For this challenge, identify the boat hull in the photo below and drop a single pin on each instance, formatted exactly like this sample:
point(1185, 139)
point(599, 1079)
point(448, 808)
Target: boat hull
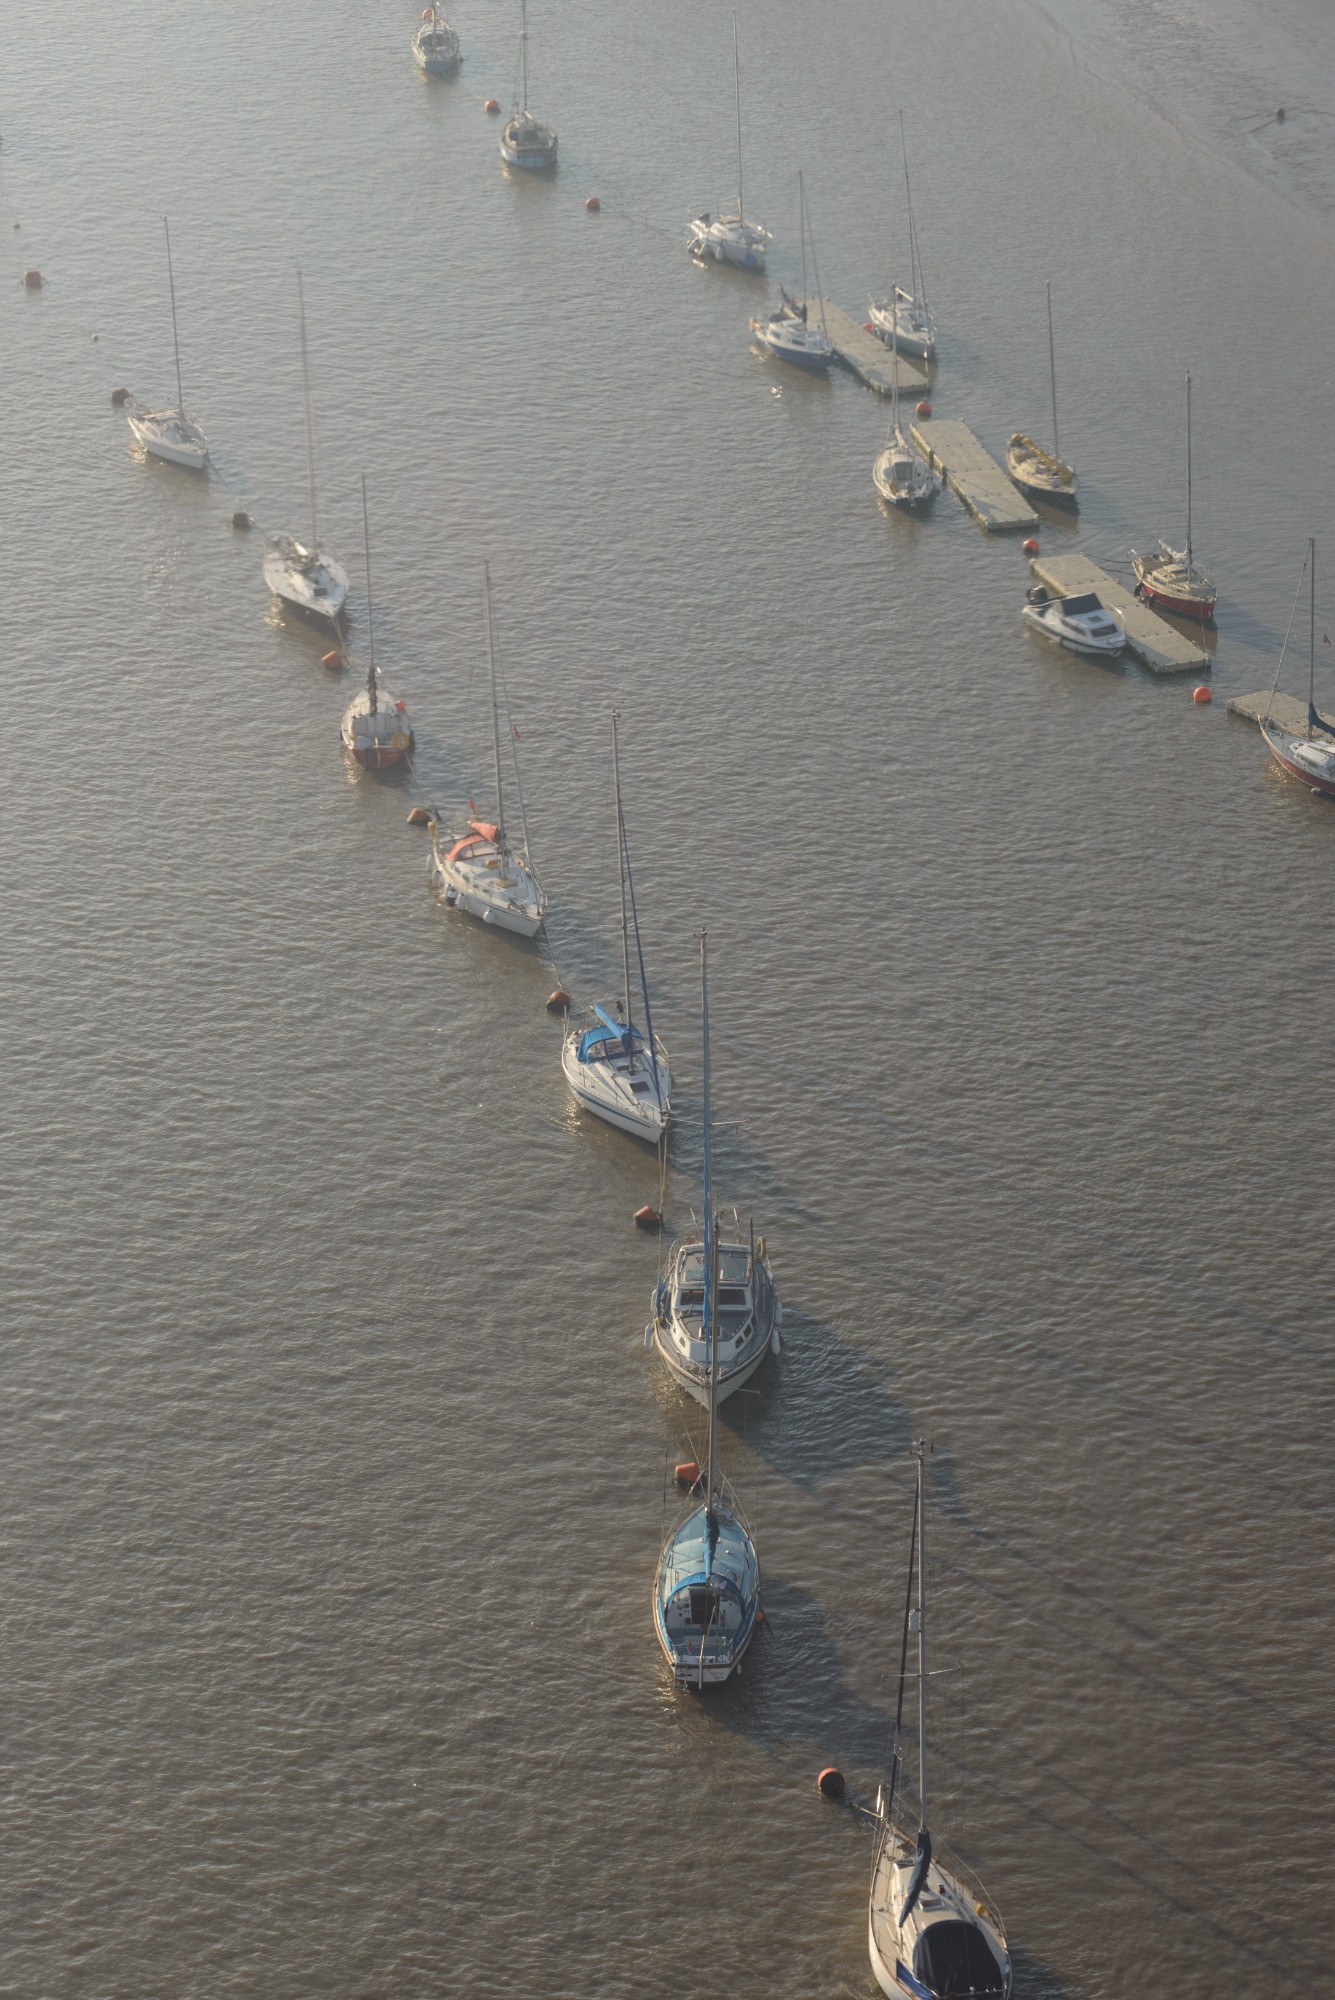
point(498, 916)
point(647, 1122)
point(532, 159)
point(193, 457)
point(1282, 749)
point(1199, 608)
point(378, 756)
point(813, 360)
point(728, 1384)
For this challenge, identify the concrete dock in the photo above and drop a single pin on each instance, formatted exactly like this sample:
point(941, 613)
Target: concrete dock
point(1161, 647)
point(1286, 711)
point(972, 473)
point(867, 357)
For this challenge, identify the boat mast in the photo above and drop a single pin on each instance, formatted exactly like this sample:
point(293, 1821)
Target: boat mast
point(915, 269)
point(621, 877)
point(894, 369)
point(523, 46)
point(710, 1246)
point(737, 86)
point(176, 339)
point(306, 406)
point(1188, 479)
point(920, 1452)
point(820, 296)
point(495, 712)
point(1052, 371)
point(1311, 644)
point(896, 1754)
point(802, 233)
point(370, 615)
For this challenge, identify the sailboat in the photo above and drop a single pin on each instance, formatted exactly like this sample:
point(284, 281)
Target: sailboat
point(707, 1585)
point(730, 239)
point(901, 474)
point(1309, 756)
point(170, 434)
point(479, 870)
point(435, 44)
point(1172, 578)
point(929, 1931)
point(905, 311)
point(525, 140)
point(614, 1070)
point(715, 1313)
point(1043, 474)
point(301, 575)
point(376, 730)
point(787, 332)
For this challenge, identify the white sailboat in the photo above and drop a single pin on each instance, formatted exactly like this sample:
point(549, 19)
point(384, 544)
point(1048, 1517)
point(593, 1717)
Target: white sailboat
point(435, 44)
point(1307, 754)
point(480, 870)
point(376, 731)
point(1044, 475)
point(730, 239)
point(170, 434)
point(614, 1070)
point(1171, 579)
point(900, 473)
point(787, 332)
point(303, 576)
point(525, 140)
point(930, 1932)
point(707, 1585)
point(905, 312)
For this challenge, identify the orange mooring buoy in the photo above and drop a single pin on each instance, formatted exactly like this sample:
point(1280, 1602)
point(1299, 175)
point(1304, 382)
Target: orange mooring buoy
point(1202, 694)
point(648, 1217)
point(491, 107)
point(333, 659)
point(924, 408)
point(1030, 545)
point(33, 280)
point(559, 1002)
point(831, 1782)
point(687, 1473)
point(418, 816)
point(593, 204)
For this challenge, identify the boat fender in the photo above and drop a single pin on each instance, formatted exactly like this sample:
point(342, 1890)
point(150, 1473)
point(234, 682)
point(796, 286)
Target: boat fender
point(1201, 694)
point(119, 398)
point(491, 107)
point(649, 1335)
point(760, 1249)
point(593, 205)
point(558, 1002)
point(333, 660)
point(867, 326)
point(924, 409)
point(647, 1217)
point(33, 280)
point(1030, 545)
point(418, 816)
point(241, 519)
point(1037, 594)
point(775, 1344)
point(489, 916)
point(830, 1784)
point(399, 740)
point(760, 1615)
point(687, 1473)
point(451, 898)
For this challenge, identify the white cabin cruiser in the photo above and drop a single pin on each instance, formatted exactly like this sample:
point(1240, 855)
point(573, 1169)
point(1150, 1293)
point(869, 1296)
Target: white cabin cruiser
point(435, 45)
point(525, 140)
point(1081, 624)
point(170, 434)
point(747, 1316)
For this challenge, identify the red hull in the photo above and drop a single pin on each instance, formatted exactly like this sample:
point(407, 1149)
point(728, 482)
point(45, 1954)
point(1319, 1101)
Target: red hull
point(1308, 778)
point(377, 760)
point(1181, 607)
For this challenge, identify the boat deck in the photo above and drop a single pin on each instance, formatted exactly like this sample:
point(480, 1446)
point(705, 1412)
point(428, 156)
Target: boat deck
point(971, 472)
point(1159, 645)
point(1286, 711)
point(867, 357)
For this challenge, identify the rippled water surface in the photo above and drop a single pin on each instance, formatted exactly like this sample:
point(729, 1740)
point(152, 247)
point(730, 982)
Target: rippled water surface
point(335, 1470)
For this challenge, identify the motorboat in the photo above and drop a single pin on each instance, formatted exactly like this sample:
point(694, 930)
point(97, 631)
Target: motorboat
point(747, 1316)
point(730, 239)
point(482, 872)
point(1308, 754)
point(614, 1069)
point(903, 316)
point(303, 576)
point(525, 140)
point(706, 1599)
point(170, 434)
point(1081, 624)
point(435, 45)
point(931, 1932)
point(376, 731)
point(900, 473)
point(1171, 579)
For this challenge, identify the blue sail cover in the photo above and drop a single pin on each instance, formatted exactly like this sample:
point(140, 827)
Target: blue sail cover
point(1315, 721)
point(608, 1038)
point(919, 1875)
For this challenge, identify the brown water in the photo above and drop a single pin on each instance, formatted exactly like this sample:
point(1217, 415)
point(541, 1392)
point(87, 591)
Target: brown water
point(335, 1468)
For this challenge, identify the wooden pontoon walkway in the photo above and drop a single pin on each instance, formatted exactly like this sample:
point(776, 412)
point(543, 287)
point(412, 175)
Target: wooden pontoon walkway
point(867, 357)
point(1162, 648)
point(974, 474)
point(1285, 710)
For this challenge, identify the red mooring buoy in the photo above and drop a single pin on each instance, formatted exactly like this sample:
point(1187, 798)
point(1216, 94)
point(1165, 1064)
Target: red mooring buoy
point(333, 659)
point(687, 1473)
point(830, 1783)
point(924, 408)
point(418, 816)
point(491, 107)
point(1030, 545)
point(648, 1217)
point(559, 1002)
point(1202, 694)
point(593, 204)
point(33, 280)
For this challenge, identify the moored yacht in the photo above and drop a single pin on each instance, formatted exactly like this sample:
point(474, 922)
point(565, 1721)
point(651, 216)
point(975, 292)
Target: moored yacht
point(376, 731)
point(170, 434)
point(900, 473)
point(525, 140)
point(903, 316)
point(435, 45)
point(730, 239)
point(1307, 754)
point(787, 332)
point(1080, 624)
point(746, 1320)
point(303, 576)
point(1171, 579)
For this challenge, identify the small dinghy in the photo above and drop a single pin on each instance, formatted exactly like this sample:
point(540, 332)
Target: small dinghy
point(1309, 755)
point(376, 731)
point(525, 140)
point(730, 239)
point(481, 872)
point(435, 45)
point(1081, 624)
point(170, 434)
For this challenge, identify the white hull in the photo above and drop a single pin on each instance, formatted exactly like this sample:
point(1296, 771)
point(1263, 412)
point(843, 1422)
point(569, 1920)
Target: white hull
point(728, 240)
point(165, 438)
point(728, 1384)
point(594, 1090)
point(501, 916)
point(316, 586)
point(494, 888)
